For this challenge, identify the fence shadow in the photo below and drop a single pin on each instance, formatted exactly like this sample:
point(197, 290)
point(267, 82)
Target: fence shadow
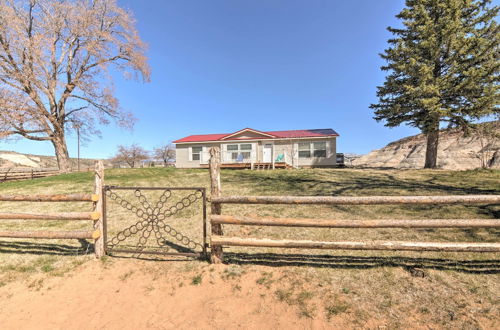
point(490, 266)
point(157, 257)
point(19, 247)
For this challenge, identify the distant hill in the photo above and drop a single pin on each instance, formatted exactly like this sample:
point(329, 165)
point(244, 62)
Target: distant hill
point(15, 159)
point(457, 151)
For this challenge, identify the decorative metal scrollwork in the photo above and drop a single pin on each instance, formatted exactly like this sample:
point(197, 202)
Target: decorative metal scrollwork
point(152, 220)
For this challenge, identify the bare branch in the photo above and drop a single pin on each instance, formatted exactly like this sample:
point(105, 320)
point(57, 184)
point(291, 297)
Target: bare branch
point(56, 55)
point(165, 153)
point(130, 155)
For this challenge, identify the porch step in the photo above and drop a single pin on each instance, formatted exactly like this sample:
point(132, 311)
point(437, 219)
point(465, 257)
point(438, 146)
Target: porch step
point(262, 166)
point(269, 166)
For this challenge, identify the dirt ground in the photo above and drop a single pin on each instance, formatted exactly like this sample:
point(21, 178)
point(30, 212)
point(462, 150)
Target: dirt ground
point(120, 293)
point(124, 295)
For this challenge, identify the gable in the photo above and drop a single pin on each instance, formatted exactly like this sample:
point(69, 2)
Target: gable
point(248, 133)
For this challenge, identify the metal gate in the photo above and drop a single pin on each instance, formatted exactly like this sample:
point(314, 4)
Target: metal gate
point(155, 220)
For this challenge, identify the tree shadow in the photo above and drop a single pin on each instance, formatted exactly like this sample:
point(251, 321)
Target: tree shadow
point(491, 210)
point(36, 248)
point(490, 266)
point(292, 183)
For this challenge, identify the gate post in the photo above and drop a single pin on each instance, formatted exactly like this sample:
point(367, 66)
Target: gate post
point(98, 207)
point(216, 254)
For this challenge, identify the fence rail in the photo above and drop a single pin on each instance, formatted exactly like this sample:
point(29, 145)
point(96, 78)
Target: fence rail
point(51, 216)
point(50, 198)
point(359, 200)
point(96, 216)
point(343, 223)
point(218, 240)
point(348, 245)
point(22, 173)
point(12, 174)
point(76, 234)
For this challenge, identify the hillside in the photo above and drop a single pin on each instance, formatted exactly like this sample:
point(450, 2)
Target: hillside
point(15, 159)
point(457, 151)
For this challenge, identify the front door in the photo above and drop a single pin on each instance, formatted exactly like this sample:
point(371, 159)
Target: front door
point(267, 156)
point(205, 155)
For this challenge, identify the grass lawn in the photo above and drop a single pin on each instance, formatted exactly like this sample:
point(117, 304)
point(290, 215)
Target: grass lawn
point(457, 290)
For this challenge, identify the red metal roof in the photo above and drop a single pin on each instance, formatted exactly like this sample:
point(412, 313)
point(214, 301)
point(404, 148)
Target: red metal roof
point(303, 133)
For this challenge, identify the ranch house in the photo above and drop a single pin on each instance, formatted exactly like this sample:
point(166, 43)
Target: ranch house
point(250, 148)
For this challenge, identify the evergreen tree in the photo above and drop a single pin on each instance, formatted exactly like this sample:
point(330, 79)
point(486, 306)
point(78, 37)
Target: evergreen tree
point(443, 67)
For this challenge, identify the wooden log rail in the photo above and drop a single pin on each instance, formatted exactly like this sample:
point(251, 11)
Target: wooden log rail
point(381, 223)
point(359, 200)
point(97, 215)
point(365, 245)
point(51, 216)
point(89, 234)
point(29, 169)
point(50, 198)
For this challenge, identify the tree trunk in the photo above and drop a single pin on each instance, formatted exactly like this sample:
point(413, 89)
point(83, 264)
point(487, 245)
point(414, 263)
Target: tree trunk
point(62, 155)
point(432, 148)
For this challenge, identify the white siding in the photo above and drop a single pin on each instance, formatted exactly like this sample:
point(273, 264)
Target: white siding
point(288, 148)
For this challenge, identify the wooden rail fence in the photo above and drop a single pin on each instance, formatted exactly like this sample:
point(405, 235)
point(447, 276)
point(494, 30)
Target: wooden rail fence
point(96, 215)
point(218, 240)
point(14, 174)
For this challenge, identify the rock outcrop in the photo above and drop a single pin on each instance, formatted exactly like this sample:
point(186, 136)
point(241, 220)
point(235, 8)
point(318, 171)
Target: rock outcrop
point(9, 159)
point(457, 151)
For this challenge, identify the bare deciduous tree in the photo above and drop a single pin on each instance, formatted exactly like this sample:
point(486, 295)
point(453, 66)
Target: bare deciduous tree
point(54, 61)
point(166, 153)
point(130, 154)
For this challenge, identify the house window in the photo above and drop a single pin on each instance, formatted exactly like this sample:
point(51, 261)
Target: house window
point(239, 152)
point(319, 149)
point(240, 155)
point(305, 150)
point(196, 153)
point(316, 149)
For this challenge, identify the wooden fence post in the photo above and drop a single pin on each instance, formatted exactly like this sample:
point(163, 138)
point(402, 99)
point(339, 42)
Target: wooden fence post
point(6, 174)
point(216, 254)
point(98, 207)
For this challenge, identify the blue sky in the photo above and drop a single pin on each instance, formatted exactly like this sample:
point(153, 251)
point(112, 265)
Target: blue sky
point(221, 65)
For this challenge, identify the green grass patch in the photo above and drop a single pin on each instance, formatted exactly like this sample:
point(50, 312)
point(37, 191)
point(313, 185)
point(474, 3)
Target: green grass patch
point(196, 280)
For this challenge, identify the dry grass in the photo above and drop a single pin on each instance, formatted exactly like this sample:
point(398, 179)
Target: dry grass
point(457, 290)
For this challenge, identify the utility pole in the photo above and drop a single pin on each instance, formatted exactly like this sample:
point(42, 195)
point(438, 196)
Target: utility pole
point(77, 125)
point(78, 138)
